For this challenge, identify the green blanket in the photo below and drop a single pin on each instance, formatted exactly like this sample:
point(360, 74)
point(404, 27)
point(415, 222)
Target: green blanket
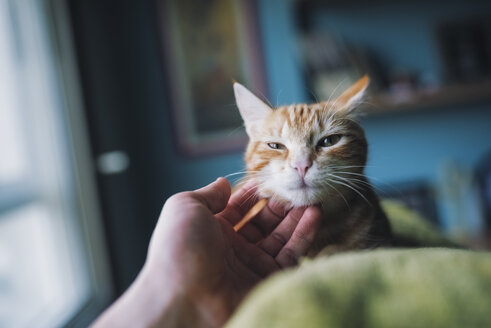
point(419, 287)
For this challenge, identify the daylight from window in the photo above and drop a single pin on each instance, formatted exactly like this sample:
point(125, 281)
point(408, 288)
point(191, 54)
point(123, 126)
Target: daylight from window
point(41, 280)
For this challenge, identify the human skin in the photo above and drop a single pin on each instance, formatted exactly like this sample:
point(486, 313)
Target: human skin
point(198, 269)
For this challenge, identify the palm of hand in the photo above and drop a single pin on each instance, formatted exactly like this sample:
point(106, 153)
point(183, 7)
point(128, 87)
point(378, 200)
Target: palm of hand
point(229, 263)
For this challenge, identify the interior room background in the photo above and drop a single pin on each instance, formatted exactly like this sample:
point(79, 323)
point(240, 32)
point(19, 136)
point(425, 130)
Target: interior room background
point(428, 122)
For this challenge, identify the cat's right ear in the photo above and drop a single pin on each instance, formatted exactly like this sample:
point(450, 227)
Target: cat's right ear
point(252, 109)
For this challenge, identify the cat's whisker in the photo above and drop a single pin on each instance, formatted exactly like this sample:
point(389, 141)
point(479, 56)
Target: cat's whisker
point(351, 181)
point(258, 185)
point(313, 95)
point(265, 99)
point(354, 167)
point(333, 105)
point(240, 172)
point(340, 194)
point(334, 91)
point(371, 178)
point(242, 180)
point(349, 119)
point(235, 130)
point(358, 177)
point(252, 195)
point(278, 96)
point(352, 188)
point(297, 127)
point(365, 102)
point(354, 181)
point(274, 197)
point(351, 173)
point(379, 181)
point(233, 174)
point(347, 166)
point(247, 175)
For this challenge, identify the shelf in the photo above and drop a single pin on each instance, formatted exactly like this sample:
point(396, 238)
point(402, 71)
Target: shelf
point(419, 49)
point(458, 94)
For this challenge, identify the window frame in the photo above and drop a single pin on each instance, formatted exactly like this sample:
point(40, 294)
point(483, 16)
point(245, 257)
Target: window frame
point(91, 225)
point(82, 198)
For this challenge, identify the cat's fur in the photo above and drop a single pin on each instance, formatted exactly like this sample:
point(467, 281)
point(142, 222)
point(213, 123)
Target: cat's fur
point(290, 159)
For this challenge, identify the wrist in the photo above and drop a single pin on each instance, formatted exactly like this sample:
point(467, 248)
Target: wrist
point(153, 300)
point(167, 301)
point(183, 304)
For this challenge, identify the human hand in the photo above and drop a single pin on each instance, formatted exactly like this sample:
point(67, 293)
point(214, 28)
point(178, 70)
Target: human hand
point(194, 243)
point(197, 258)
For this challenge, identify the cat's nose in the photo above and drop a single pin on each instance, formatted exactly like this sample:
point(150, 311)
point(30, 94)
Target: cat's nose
point(302, 167)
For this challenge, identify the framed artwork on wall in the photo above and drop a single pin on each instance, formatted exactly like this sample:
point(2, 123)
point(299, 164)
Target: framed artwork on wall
point(207, 45)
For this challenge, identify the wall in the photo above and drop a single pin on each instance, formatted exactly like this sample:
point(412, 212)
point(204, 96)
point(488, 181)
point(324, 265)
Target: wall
point(284, 79)
point(403, 147)
point(125, 91)
point(423, 145)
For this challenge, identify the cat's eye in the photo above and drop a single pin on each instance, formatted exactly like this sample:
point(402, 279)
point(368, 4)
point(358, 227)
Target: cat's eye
point(329, 140)
point(275, 145)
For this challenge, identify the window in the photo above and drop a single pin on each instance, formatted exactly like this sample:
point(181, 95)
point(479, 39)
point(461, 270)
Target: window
point(52, 256)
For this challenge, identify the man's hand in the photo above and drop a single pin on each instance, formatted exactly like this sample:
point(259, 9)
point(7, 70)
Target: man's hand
point(196, 257)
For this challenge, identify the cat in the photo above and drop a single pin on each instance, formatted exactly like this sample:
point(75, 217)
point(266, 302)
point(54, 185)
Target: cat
point(304, 155)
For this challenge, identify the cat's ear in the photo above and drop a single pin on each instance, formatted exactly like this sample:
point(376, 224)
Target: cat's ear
point(252, 109)
point(349, 100)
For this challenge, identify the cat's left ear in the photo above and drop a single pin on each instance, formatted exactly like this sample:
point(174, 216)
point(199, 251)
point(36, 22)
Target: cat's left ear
point(349, 100)
point(252, 109)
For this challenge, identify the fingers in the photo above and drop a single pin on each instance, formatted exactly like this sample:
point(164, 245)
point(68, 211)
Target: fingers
point(296, 238)
point(278, 238)
point(240, 202)
point(289, 241)
point(254, 211)
point(254, 258)
point(262, 225)
point(215, 195)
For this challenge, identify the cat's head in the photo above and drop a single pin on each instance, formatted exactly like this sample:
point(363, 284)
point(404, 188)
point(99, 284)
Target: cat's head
point(304, 154)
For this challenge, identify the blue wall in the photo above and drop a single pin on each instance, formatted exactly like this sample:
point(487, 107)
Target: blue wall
point(403, 147)
point(285, 85)
point(402, 34)
point(414, 146)
point(119, 47)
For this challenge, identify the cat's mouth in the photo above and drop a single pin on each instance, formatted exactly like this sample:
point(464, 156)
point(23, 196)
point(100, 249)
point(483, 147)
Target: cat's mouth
point(303, 195)
point(301, 187)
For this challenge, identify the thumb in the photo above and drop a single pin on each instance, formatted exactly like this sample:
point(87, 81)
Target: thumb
point(215, 195)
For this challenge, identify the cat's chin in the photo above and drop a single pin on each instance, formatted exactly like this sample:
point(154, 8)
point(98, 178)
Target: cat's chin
point(304, 196)
point(295, 199)
point(301, 202)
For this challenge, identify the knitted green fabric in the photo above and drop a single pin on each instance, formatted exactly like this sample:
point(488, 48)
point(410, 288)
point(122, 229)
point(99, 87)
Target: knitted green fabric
point(412, 230)
point(426, 287)
point(420, 287)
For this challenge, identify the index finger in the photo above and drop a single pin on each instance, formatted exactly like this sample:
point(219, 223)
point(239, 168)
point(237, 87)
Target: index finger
point(301, 238)
point(240, 203)
point(263, 223)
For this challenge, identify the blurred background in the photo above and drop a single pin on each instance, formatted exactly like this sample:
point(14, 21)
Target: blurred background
point(109, 107)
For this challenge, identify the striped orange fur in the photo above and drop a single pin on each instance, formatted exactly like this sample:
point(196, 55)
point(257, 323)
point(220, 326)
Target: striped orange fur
point(314, 154)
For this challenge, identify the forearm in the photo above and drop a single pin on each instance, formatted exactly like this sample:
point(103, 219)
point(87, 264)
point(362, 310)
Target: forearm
point(151, 301)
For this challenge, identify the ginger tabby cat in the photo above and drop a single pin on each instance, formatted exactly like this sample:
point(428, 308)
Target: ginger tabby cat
point(315, 154)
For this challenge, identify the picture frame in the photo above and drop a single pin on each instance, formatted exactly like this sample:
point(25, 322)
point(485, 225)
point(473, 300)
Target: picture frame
point(207, 46)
